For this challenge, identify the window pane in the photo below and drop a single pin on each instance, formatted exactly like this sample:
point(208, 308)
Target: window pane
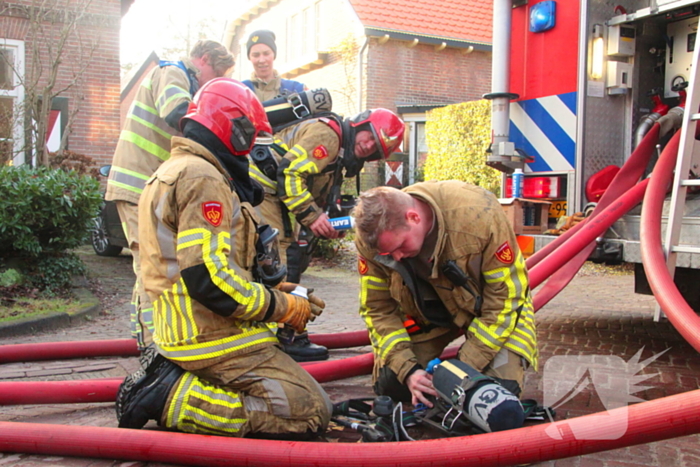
point(7, 60)
point(421, 144)
point(6, 117)
point(6, 123)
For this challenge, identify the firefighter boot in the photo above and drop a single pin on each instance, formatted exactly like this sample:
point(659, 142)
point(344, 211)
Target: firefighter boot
point(303, 350)
point(142, 395)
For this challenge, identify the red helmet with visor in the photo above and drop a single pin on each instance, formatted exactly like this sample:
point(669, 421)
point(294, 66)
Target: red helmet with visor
point(230, 110)
point(386, 127)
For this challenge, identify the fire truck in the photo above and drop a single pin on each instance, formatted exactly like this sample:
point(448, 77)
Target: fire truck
point(576, 84)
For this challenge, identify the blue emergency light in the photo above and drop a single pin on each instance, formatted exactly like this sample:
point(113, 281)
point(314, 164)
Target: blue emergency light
point(543, 16)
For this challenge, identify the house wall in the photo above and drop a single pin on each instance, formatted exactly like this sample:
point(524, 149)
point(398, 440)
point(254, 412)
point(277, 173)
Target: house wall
point(399, 74)
point(96, 127)
point(393, 73)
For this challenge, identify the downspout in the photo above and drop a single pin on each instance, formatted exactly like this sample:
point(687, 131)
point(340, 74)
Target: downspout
point(502, 155)
point(360, 63)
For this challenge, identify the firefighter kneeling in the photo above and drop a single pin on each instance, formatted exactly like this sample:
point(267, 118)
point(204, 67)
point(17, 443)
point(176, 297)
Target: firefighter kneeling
point(438, 260)
point(216, 367)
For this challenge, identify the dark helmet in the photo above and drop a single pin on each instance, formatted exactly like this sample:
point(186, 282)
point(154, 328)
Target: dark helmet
point(386, 127)
point(230, 110)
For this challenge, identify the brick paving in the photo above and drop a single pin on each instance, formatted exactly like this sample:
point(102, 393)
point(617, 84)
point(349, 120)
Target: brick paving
point(598, 314)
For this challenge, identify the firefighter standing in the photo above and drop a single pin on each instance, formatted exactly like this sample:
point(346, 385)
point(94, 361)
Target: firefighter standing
point(309, 158)
point(265, 81)
point(144, 144)
point(437, 259)
point(218, 369)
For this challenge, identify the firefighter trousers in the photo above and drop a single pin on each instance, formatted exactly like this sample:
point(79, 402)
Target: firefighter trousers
point(264, 393)
point(141, 308)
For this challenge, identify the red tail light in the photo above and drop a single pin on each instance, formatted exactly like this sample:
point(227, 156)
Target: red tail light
point(537, 187)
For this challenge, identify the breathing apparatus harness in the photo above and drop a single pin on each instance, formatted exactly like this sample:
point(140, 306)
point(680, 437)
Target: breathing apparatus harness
point(292, 108)
point(191, 74)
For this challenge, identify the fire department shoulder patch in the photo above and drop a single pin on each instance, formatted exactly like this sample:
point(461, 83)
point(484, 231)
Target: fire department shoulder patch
point(505, 253)
point(362, 267)
point(213, 212)
point(320, 152)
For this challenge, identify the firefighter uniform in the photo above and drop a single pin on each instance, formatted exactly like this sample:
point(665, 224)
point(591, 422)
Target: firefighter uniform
point(237, 380)
point(305, 176)
point(273, 88)
point(399, 297)
point(144, 144)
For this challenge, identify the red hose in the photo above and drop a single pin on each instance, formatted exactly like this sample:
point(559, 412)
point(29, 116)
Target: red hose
point(623, 181)
point(127, 347)
point(679, 313)
point(105, 390)
point(588, 233)
point(65, 350)
point(59, 392)
point(646, 422)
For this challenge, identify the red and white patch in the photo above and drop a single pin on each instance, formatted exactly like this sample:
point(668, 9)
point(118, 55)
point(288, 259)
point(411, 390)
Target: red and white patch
point(213, 212)
point(320, 152)
point(362, 267)
point(505, 254)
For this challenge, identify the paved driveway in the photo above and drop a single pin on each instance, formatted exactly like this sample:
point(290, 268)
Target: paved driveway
point(598, 314)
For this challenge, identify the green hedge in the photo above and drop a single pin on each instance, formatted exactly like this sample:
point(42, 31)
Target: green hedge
point(458, 136)
point(44, 213)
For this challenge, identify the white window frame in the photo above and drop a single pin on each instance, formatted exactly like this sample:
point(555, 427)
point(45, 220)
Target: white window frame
point(17, 94)
point(413, 121)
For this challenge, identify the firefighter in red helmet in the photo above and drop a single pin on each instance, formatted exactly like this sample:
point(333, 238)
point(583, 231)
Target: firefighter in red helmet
point(301, 173)
point(212, 301)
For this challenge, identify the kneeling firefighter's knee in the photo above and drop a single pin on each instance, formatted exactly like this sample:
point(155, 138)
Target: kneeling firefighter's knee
point(387, 384)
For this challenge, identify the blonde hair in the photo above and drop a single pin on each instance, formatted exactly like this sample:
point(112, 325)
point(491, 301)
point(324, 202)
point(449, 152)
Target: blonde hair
point(379, 210)
point(221, 59)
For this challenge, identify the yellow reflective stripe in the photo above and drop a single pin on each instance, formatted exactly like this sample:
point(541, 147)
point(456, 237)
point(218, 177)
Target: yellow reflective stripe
point(225, 424)
point(260, 177)
point(177, 400)
point(125, 186)
point(145, 144)
point(281, 144)
point(294, 188)
point(199, 351)
point(132, 173)
point(297, 201)
point(150, 126)
point(170, 93)
point(382, 344)
point(389, 341)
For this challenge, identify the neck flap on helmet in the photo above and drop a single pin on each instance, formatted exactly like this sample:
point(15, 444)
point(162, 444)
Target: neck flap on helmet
point(248, 190)
point(351, 163)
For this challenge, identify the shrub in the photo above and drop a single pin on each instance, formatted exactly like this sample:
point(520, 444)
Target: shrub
point(69, 160)
point(458, 136)
point(10, 277)
point(45, 211)
point(53, 274)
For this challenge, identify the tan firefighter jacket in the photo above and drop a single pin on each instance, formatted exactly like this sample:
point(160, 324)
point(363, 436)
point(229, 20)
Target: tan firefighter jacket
point(144, 142)
point(306, 172)
point(198, 250)
point(474, 232)
point(266, 91)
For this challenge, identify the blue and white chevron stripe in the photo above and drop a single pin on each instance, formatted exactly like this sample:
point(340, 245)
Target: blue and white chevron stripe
point(545, 128)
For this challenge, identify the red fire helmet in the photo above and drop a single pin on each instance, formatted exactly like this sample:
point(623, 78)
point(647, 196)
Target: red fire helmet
point(230, 110)
point(386, 126)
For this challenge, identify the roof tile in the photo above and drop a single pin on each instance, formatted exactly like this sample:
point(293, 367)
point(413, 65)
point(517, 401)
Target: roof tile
point(468, 20)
